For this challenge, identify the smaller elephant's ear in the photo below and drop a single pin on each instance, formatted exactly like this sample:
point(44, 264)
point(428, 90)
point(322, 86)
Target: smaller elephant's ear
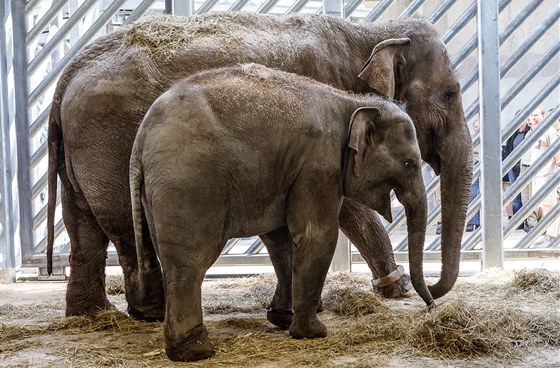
point(362, 128)
point(384, 68)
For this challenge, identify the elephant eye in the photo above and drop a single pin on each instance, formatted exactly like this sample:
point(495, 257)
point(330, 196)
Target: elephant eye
point(409, 164)
point(448, 97)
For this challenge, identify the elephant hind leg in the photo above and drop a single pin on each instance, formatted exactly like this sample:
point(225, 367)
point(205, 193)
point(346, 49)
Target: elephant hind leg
point(150, 304)
point(186, 338)
point(85, 292)
point(186, 252)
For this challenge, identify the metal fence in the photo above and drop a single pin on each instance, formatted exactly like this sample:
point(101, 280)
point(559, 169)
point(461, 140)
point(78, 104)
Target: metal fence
point(506, 54)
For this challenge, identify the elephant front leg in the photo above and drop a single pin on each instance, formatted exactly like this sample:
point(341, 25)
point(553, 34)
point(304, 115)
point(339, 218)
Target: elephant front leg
point(279, 246)
point(312, 258)
point(364, 229)
point(313, 223)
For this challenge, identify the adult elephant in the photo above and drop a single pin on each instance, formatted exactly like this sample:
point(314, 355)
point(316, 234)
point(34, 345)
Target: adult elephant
point(105, 91)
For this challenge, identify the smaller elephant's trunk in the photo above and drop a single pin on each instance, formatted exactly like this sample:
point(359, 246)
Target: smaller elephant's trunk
point(416, 208)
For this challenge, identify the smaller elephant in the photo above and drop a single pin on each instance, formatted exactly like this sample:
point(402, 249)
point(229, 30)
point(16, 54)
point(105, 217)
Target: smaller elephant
point(249, 150)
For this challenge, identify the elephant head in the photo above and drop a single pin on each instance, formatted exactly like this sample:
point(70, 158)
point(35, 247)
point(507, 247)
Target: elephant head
point(384, 156)
point(397, 68)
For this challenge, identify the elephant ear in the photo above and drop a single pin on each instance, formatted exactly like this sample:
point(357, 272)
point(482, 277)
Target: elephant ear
point(362, 129)
point(384, 70)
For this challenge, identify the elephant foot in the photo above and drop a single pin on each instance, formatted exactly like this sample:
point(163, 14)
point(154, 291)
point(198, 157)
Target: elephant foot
point(195, 346)
point(280, 317)
point(307, 328)
point(283, 317)
point(394, 285)
point(146, 314)
point(89, 310)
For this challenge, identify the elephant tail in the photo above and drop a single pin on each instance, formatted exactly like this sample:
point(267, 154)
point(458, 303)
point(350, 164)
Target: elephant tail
point(136, 177)
point(55, 151)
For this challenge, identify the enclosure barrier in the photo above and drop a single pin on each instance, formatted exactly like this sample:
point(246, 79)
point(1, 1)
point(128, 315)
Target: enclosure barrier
point(39, 37)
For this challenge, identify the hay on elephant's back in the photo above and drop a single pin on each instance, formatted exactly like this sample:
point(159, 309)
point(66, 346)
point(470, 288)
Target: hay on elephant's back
point(164, 35)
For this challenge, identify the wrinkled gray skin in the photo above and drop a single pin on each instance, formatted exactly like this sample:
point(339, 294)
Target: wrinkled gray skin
point(104, 93)
point(236, 152)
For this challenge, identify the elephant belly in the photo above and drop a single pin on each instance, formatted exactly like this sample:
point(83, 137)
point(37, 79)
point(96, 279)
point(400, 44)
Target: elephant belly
point(257, 217)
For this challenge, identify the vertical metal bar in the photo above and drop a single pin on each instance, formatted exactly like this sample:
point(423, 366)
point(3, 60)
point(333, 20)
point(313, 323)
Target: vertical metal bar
point(342, 257)
point(183, 7)
point(334, 8)
point(22, 127)
point(7, 236)
point(489, 91)
point(168, 7)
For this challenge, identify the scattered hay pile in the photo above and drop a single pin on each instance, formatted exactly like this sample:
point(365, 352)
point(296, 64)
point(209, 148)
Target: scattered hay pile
point(114, 285)
point(540, 280)
point(459, 330)
point(361, 326)
point(243, 295)
point(349, 294)
point(3, 277)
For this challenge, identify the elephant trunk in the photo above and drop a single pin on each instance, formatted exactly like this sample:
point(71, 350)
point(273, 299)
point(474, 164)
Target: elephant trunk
point(456, 178)
point(415, 206)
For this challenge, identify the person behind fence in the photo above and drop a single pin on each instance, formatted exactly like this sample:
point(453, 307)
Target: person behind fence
point(474, 222)
point(525, 165)
point(511, 144)
point(545, 174)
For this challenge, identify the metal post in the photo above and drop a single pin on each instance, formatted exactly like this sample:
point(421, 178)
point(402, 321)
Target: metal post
point(7, 235)
point(183, 7)
point(489, 91)
point(334, 8)
point(22, 127)
point(342, 255)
